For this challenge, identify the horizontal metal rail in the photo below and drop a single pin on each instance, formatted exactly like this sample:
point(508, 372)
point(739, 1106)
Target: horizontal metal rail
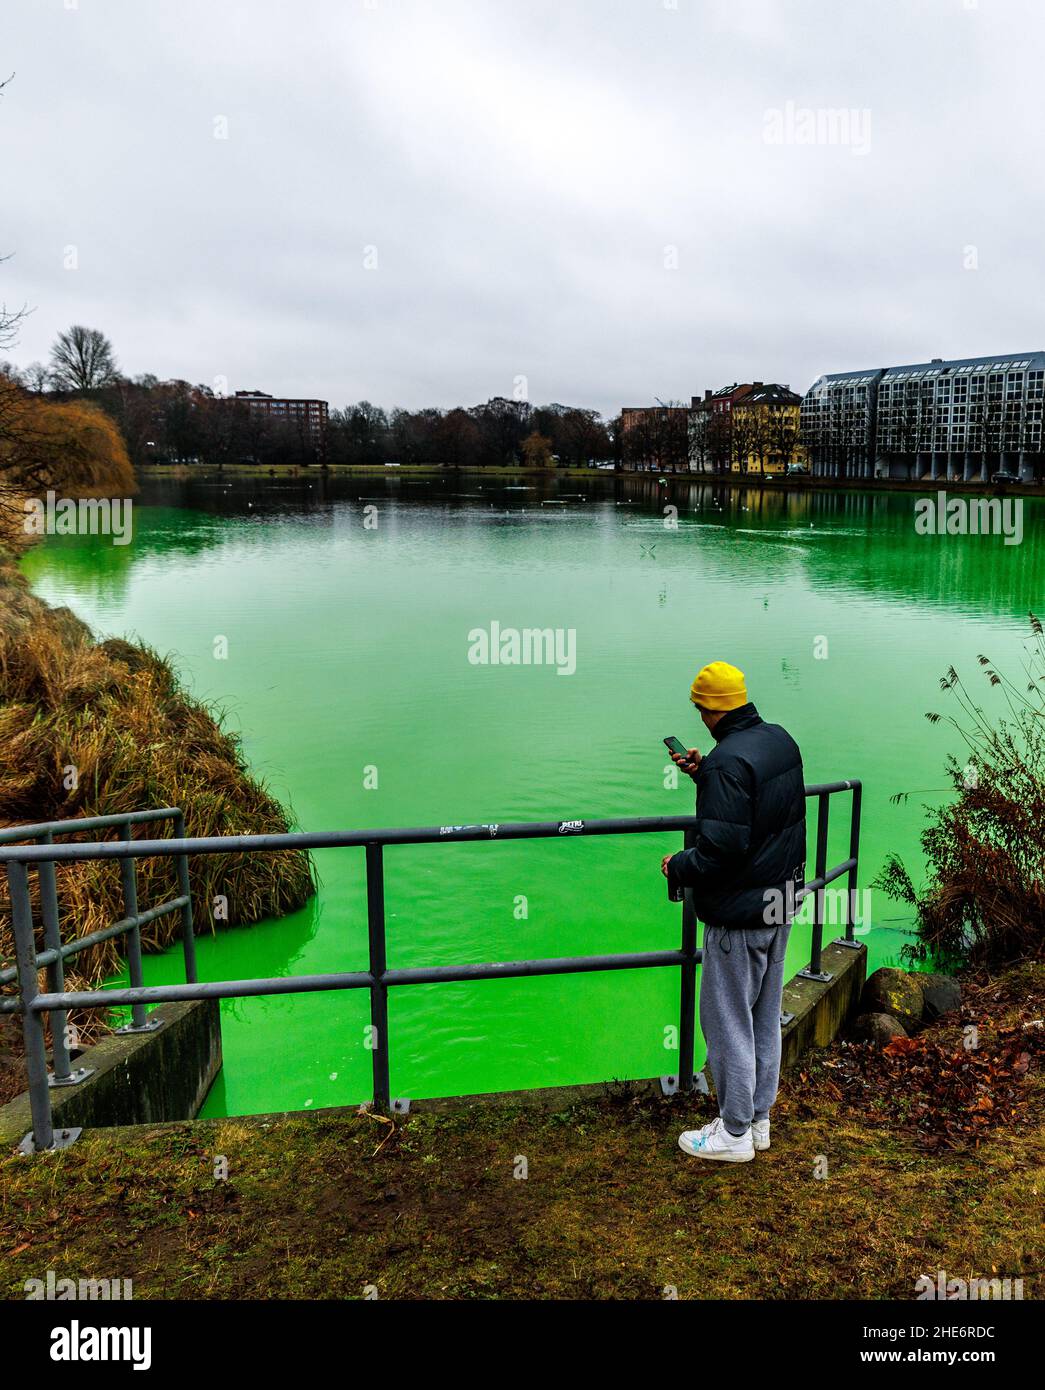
point(95, 938)
point(344, 839)
point(357, 979)
point(34, 1004)
point(74, 826)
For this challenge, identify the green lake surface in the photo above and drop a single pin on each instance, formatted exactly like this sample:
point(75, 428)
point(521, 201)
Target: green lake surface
point(347, 651)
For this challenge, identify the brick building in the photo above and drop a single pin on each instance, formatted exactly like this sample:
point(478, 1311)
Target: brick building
point(711, 427)
point(310, 416)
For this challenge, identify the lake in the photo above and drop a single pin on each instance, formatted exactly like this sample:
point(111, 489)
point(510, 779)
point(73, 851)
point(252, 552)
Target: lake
point(349, 609)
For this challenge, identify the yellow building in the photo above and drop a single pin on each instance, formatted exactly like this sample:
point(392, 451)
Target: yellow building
point(764, 436)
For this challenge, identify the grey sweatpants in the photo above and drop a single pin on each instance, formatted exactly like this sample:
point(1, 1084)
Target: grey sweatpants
point(741, 987)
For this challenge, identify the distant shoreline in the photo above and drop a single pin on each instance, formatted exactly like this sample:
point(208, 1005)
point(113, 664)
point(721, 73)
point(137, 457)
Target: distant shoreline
point(771, 482)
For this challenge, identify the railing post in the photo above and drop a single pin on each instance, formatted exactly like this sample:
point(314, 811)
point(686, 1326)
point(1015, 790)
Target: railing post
point(188, 938)
point(63, 1074)
point(42, 1134)
point(688, 991)
point(375, 913)
point(686, 1078)
point(854, 854)
point(814, 970)
point(140, 1022)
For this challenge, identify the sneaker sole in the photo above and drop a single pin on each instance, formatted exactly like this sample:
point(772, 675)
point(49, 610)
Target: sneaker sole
point(761, 1148)
point(744, 1156)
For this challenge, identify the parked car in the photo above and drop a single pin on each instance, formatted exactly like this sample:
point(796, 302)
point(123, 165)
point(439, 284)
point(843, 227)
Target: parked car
point(1004, 476)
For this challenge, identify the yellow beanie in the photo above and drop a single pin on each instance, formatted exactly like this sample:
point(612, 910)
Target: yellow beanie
point(719, 687)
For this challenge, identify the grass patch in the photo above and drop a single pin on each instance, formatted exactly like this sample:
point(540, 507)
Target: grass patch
point(847, 1204)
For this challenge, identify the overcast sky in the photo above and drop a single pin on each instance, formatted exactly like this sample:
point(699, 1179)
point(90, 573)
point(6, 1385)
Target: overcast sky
point(616, 200)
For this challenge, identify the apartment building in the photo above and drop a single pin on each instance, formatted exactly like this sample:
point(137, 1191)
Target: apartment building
point(310, 416)
point(711, 427)
point(964, 418)
point(766, 430)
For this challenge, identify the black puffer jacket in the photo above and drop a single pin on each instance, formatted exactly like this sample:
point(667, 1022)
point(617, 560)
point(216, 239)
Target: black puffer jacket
point(751, 825)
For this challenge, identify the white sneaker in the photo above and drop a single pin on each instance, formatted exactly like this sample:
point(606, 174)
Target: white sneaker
point(715, 1141)
point(760, 1135)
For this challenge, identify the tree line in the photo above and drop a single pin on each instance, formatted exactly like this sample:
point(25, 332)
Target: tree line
point(181, 421)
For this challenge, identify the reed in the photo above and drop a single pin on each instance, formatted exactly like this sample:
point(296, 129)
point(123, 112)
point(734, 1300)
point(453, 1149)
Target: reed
point(984, 898)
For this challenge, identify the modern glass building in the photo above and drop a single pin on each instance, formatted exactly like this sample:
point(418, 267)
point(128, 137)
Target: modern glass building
point(964, 419)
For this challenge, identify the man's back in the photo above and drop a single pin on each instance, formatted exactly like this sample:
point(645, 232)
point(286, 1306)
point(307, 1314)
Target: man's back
point(751, 832)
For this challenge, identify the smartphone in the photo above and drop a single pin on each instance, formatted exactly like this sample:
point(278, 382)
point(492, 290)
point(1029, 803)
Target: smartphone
point(675, 745)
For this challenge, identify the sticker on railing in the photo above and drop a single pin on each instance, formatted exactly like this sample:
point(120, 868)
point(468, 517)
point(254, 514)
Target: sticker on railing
point(571, 827)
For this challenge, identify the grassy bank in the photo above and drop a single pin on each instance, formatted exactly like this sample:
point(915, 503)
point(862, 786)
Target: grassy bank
point(324, 1206)
point(93, 728)
point(772, 483)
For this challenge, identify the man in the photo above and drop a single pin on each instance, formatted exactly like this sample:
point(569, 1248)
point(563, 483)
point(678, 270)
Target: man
point(745, 869)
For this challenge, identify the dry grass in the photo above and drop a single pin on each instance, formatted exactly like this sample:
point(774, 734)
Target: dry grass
point(115, 712)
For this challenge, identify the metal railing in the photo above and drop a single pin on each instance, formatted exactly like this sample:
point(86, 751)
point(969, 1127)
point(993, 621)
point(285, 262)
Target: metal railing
point(55, 954)
point(378, 978)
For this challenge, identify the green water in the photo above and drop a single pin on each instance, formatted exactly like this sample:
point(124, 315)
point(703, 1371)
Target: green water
point(348, 650)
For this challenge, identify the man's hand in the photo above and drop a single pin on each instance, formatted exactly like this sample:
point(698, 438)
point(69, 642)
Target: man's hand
point(664, 864)
point(690, 763)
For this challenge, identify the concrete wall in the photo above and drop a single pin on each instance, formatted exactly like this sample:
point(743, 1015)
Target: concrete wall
point(819, 1009)
point(139, 1077)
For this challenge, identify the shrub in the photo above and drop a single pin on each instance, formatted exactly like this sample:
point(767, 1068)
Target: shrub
point(985, 898)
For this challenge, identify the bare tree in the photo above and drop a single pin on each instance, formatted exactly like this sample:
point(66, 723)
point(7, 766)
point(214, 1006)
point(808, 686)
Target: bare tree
point(699, 439)
point(908, 425)
point(719, 441)
point(812, 433)
point(674, 438)
point(742, 441)
point(756, 421)
point(783, 434)
point(582, 436)
point(10, 320)
point(82, 360)
point(36, 378)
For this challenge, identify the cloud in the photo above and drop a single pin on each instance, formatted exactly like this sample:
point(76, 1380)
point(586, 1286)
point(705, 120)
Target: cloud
point(582, 194)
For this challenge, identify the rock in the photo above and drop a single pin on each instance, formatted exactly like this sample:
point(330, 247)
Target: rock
point(892, 991)
point(878, 1029)
point(941, 994)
